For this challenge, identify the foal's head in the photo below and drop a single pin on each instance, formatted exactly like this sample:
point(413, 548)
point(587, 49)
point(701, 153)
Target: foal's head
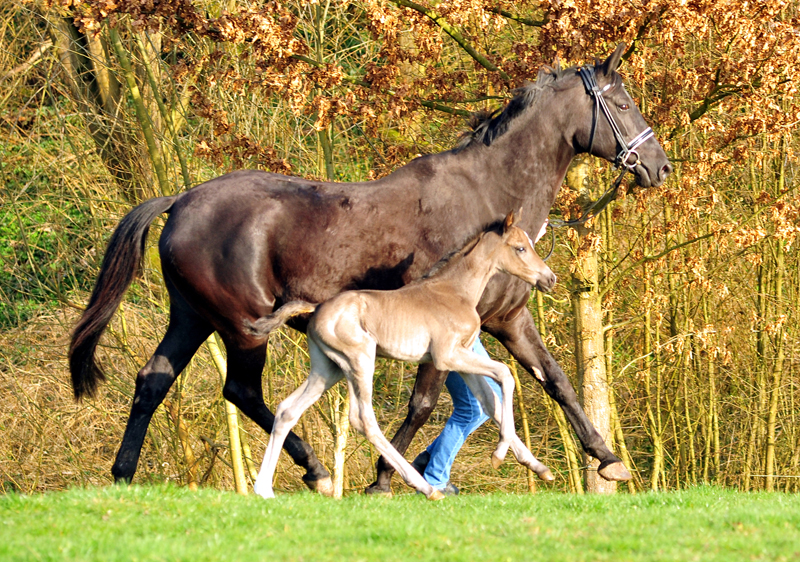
point(516, 256)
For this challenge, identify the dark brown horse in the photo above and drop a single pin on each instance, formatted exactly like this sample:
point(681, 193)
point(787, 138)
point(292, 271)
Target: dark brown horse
point(237, 247)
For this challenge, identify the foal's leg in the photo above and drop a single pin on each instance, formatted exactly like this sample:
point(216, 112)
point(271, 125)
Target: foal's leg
point(491, 405)
point(243, 388)
point(427, 388)
point(184, 335)
point(324, 374)
point(520, 336)
point(463, 360)
point(362, 418)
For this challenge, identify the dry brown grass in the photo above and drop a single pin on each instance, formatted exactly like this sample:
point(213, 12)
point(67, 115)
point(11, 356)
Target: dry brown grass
point(50, 442)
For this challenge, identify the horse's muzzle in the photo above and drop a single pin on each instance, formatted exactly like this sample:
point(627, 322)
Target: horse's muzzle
point(547, 282)
point(647, 178)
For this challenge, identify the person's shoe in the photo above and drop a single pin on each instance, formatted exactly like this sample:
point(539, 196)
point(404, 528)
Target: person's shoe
point(450, 489)
point(421, 462)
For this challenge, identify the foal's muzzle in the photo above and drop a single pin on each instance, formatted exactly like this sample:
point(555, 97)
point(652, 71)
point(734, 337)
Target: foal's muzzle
point(546, 282)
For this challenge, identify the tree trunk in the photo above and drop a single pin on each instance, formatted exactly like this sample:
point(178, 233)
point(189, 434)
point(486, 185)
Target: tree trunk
point(777, 367)
point(589, 342)
point(96, 92)
point(232, 417)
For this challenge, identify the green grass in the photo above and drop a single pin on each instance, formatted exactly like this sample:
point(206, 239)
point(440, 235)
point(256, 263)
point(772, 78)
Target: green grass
point(166, 523)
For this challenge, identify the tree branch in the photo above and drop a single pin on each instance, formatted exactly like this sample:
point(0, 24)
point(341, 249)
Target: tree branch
point(363, 83)
point(518, 19)
point(660, 255)
point(453, 32)
point(28, 64)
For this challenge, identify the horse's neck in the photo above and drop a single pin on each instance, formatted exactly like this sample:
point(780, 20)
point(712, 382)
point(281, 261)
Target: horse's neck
point(469, 274)
point(523, 167)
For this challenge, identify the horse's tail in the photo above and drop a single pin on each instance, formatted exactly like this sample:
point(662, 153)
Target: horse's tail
point(120, 263)
point(264, 325)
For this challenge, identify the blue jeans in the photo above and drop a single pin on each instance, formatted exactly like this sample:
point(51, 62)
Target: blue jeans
point(467, 416)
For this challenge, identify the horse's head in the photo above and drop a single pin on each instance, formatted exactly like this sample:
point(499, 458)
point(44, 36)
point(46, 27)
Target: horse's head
point(612, 127)
point(517, 256)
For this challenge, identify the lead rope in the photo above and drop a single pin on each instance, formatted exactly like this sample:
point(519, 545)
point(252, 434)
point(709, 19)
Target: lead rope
point(595, 209)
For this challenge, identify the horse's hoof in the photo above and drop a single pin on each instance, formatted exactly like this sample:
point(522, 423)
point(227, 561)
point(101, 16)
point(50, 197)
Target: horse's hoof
point(375, 490)
point(614, 471)
point(436, 495)
point(496, 461)
point(323, 486)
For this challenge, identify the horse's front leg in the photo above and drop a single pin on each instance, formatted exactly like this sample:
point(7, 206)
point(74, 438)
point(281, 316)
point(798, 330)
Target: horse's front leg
point(518, 333)
point(427, 388)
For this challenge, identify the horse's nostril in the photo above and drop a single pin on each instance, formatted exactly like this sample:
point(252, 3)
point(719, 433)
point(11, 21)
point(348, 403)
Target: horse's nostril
point(665, 171)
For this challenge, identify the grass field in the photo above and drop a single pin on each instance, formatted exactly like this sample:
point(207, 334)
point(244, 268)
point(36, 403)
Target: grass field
point(166, 523)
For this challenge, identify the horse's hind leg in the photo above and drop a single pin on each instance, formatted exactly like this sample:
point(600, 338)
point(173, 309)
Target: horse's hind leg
point(324, 374)
point(243, 388)
point(427, 388)
point(463, 360)
point(184, 335)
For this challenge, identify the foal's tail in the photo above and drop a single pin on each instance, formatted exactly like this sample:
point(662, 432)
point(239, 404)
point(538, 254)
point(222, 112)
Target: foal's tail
point(266, 324)
point(120, 263)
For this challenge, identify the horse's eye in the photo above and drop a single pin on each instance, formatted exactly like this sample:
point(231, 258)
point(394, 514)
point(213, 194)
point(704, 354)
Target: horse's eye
point(520, 249)
point(624, 107)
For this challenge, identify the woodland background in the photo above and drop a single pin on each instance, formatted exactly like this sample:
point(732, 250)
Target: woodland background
point(104, 103)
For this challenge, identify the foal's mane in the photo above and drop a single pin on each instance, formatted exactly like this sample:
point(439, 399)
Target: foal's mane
point(466, 248)
point(485, 126)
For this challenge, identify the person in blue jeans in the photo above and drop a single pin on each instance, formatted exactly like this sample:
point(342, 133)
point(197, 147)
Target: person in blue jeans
point(436, 461)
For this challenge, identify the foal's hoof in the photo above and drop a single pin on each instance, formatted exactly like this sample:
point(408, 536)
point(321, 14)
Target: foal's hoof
point(547, 476)
point(614, 471)
point(496, 461)
point(436, 495)
point(323, 486)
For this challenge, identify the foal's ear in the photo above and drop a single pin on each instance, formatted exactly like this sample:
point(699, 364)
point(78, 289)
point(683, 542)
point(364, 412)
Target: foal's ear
point(612, 62)
point(508, 222)
point(511, 220)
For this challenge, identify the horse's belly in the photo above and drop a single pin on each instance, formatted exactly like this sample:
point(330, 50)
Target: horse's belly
point(414, 349)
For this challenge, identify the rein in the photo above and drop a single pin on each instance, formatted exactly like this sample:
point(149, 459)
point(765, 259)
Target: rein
point(589, 78)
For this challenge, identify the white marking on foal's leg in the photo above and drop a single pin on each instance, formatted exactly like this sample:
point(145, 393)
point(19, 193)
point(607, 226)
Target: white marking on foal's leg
point(507, 420)
point(324, 374)
point(360, 381)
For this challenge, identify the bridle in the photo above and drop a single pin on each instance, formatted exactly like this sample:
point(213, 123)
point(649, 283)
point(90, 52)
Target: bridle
point(622, 160)
point(628, 149)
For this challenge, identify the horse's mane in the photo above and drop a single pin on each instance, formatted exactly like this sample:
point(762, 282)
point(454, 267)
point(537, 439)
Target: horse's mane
point(466, 248)
point(485, 126)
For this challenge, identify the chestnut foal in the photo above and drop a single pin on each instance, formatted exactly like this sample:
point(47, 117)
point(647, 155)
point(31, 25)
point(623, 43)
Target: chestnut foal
point(431, 320)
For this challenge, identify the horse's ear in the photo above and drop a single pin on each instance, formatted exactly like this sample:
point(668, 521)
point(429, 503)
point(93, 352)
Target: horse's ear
point(612, 62)
point(509, 221)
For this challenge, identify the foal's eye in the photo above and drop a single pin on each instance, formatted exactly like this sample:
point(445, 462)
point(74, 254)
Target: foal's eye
point(624, 107)
point(520, 249)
